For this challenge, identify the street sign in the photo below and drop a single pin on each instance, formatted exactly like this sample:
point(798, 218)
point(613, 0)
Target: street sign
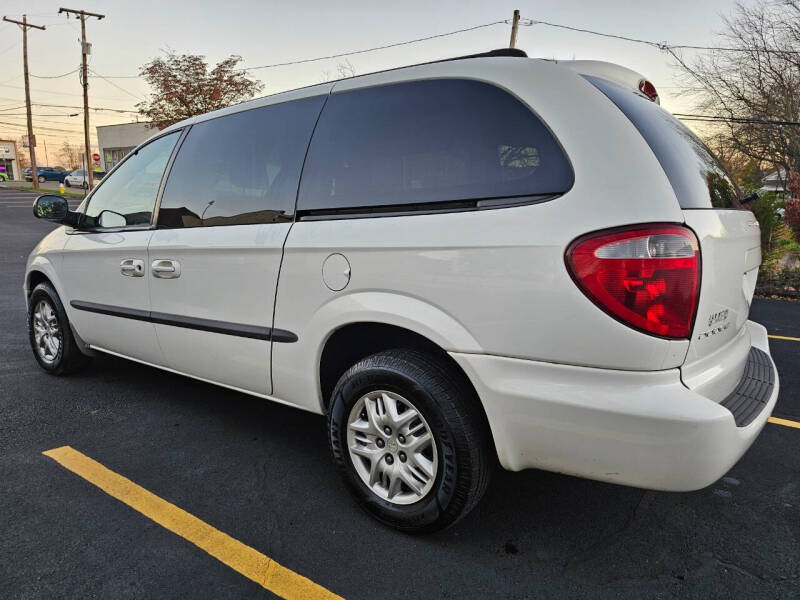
point(96, 157)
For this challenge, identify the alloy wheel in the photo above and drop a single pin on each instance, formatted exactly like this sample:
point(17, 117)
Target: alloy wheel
point(46, 331)
point(392, 447)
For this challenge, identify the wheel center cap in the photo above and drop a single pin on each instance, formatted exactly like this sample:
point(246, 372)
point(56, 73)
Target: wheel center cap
point(391, 444)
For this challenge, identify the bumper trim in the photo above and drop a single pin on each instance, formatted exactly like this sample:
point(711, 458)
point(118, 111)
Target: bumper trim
point(754, 389)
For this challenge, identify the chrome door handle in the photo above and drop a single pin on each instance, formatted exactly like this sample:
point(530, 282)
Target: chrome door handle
point(132, 267)
point(166, 269)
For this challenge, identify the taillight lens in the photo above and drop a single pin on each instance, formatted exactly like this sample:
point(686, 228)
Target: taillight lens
point(648, 89)
point(647, 276)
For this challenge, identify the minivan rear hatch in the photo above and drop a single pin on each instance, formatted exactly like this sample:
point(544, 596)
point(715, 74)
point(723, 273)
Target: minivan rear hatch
point(729, 238)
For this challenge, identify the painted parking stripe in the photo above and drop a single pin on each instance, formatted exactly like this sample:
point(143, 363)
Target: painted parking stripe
point(784, 337)
point(242, 558)
point(784, 422)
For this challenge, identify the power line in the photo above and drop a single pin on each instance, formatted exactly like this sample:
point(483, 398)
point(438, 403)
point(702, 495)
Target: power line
point(339, 55)
point(384, 47)
point(55, 76)
point(722, 119)
point(115, 85)
point(663, 46)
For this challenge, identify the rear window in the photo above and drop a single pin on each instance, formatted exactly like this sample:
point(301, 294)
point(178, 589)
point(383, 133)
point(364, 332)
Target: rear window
point(696, 176)
point(423, 142)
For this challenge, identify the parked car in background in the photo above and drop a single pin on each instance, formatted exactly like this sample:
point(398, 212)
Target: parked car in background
point(479, 260)
point(46, 174)
point(3, 176)
point(77, 178)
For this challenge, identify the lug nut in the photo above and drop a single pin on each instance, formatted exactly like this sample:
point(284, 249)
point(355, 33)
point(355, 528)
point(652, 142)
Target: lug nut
point(402, 457)
point(389, 459)
point(387, 430)
point(380, 443)
point(401, 438)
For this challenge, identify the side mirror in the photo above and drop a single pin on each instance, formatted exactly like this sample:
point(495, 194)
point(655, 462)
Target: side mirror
point(52, 208)
point(109, 218)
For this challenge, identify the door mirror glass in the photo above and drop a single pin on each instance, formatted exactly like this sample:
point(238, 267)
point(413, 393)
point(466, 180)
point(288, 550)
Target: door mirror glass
point(52, 208)
point(109, 218)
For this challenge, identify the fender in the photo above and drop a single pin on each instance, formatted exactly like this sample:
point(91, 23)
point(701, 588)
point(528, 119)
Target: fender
point(292, 363)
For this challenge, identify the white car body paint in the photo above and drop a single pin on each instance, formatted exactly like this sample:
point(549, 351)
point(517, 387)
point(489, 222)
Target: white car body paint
point(565, 387)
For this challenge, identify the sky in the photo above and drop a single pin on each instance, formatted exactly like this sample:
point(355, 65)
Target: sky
point(134, 32)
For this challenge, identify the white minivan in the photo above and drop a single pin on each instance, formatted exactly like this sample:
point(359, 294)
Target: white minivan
point(480, 260)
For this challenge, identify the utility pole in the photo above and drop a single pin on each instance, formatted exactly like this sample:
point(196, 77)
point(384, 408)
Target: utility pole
point(514, 28)
point(31, 139)
point(85, 50)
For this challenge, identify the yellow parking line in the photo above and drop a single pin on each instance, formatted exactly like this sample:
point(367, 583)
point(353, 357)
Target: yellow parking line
point(784, 422)
point(238, 556)
point(783, 337)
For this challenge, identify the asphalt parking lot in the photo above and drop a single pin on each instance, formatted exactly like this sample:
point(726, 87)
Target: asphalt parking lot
point(261, 474)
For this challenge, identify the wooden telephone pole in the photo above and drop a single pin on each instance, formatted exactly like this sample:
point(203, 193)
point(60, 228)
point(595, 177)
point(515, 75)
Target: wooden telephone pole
point(514, 29)
point(31, 139)
point(85, 50)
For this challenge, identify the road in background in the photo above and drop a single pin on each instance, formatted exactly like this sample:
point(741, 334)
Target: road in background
point(261, 473)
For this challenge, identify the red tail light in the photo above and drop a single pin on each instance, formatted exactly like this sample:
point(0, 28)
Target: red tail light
point(647, 276)
point(648, 89)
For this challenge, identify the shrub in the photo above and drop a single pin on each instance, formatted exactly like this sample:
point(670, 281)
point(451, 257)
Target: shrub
point(792, 213)
point(765, 208)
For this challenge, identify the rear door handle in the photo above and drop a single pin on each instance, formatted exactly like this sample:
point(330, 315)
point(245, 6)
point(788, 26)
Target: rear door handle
point(132, 267)
point(164, 268)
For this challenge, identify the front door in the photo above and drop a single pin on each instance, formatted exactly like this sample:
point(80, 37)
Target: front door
point(226, 210)
point(105, 264)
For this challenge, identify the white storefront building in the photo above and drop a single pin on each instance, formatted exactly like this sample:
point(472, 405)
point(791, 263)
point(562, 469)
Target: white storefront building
point(115, 141)
point(8, 160)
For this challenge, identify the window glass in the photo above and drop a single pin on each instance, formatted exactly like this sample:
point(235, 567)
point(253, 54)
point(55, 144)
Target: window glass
point(240, 169)
point(429, 141)
point(696, 176)
point(131, 191)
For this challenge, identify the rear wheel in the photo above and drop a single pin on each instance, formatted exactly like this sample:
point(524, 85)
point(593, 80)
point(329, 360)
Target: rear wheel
point(51, 339)
point(410, 440)
point(41, 178)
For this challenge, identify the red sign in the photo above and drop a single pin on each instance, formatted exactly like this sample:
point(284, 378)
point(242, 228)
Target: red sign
point(96, 157)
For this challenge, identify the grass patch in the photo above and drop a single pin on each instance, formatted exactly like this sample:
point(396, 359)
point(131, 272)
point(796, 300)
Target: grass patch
point(29, 188)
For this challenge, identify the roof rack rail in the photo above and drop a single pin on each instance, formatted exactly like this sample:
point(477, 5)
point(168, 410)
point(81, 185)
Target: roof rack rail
point(515, 52)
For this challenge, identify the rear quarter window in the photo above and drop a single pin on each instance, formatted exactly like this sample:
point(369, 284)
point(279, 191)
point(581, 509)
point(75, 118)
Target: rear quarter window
point(423, 142)
point(696, 176)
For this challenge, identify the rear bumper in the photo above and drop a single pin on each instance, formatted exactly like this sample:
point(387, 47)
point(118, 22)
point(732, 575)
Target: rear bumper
point(644, 429)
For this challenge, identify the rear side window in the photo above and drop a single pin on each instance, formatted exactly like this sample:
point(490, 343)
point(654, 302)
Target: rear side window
point(696, 176)
point(240, 169)
point(427, 142)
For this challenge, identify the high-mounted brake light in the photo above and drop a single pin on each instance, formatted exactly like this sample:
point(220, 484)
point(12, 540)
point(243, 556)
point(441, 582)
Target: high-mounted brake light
point(648, 89)
point(647, 276)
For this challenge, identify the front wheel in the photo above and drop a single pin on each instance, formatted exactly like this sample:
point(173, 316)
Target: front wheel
point(410, 440)
point(51, 339)
point(67, 183)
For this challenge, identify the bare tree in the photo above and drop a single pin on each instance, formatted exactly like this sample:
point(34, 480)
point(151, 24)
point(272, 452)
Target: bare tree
point(71, 155)
point(183, 87)
point(759, 83)
point(344, 70)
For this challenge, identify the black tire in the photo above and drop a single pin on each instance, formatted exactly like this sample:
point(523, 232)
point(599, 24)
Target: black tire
point(42, 178)
point(69, 358)
point(66, 183)
point(457, 423)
